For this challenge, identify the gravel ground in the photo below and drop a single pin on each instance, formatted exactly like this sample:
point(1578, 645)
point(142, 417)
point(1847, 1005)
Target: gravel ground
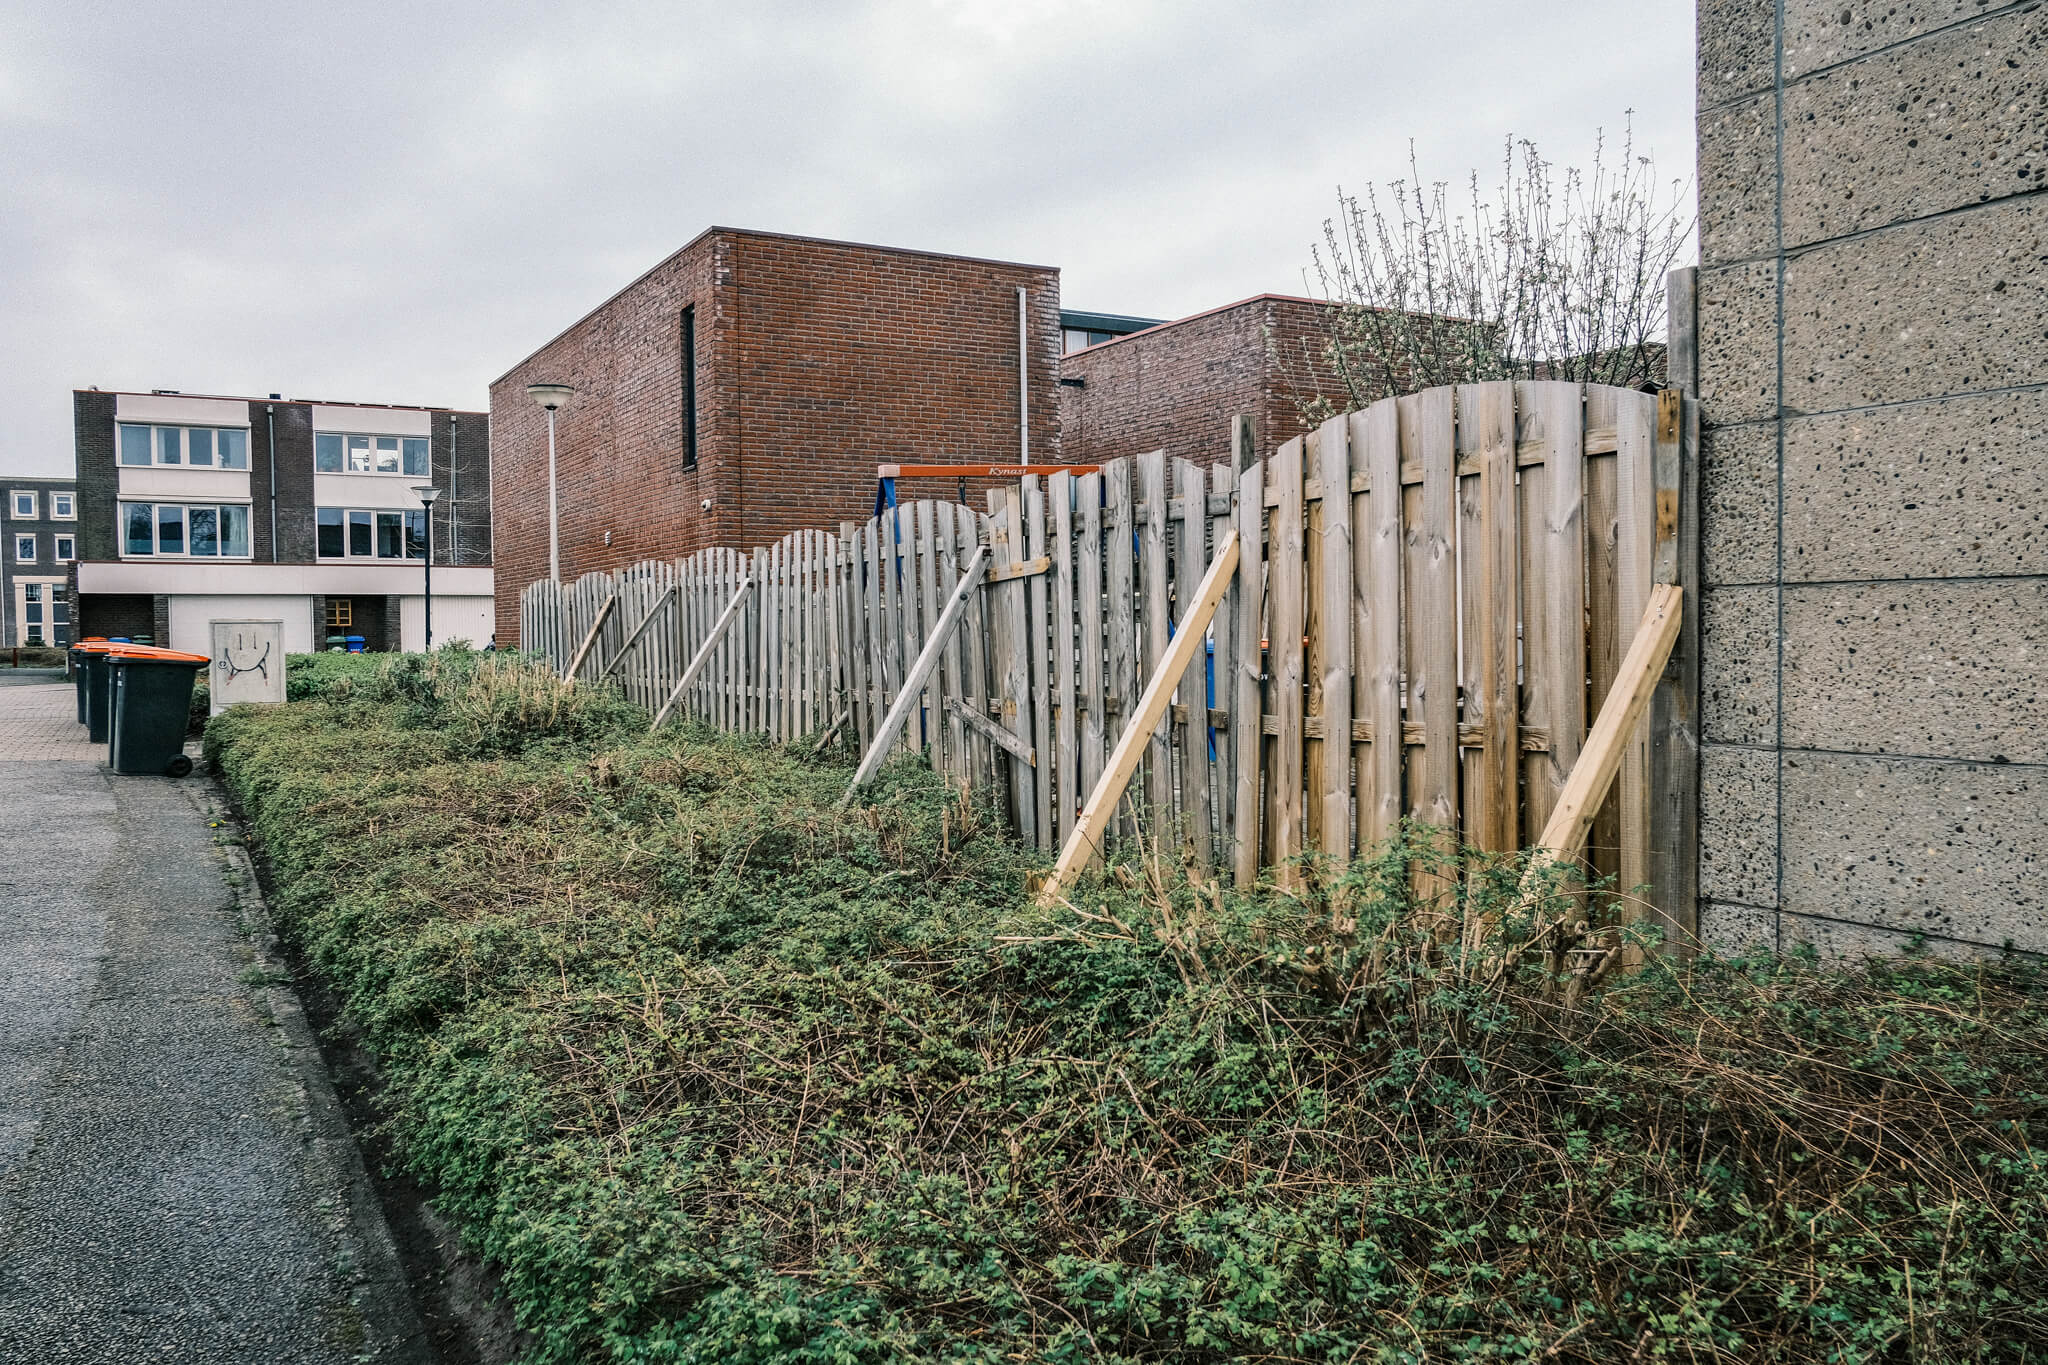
point(177, 1182)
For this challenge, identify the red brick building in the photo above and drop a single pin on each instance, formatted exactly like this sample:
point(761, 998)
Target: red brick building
point(1178, 385)
point(748, 385)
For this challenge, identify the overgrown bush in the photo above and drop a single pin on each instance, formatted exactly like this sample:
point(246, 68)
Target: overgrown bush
point(715, 1071)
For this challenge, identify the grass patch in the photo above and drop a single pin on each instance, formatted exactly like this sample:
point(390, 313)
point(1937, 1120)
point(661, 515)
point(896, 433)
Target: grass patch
point(717, 1072)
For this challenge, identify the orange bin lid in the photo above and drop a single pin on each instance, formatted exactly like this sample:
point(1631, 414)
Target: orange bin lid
point(97, 645)
point(152, 653)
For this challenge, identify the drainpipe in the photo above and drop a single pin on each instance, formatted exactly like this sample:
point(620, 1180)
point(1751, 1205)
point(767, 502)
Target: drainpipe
point(1023, 378)
point(454, 531)
point(270, 419)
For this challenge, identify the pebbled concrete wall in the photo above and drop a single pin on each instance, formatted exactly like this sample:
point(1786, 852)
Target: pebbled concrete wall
point(1874, 473)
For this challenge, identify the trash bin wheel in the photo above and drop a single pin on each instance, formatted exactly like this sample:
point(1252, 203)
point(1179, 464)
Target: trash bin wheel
point(179, 766)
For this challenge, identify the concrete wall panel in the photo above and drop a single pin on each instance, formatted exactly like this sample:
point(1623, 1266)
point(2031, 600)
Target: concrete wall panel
point(1735, 49)
point(1923, 847)
point(1738, 341)
point(1739, 692)
point(1960, 118)
point(1739, 824)
point(1922, 311)
point(1950, 488)
point(1823, 33)
point(1944, 668)
point(1739, 504)
point(1738, 181)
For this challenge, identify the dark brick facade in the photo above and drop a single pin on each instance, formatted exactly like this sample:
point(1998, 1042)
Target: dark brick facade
point(815, 362)
point(462, 468)
point(1178, 386)
point(99, 477)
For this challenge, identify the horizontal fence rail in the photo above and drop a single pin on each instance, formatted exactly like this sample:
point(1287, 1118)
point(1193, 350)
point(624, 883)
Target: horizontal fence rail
point(1431, 598)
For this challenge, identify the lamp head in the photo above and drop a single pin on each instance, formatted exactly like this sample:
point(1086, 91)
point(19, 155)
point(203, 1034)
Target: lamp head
point(426, 494)
point(550, 396)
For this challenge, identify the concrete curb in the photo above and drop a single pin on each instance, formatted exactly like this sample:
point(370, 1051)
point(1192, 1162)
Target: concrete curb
point(392, 1331)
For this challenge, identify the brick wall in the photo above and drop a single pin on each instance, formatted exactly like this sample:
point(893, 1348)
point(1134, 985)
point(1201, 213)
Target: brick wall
point(99, 480)
point(1874, 473)
point(816, 361)
point(1177, 387)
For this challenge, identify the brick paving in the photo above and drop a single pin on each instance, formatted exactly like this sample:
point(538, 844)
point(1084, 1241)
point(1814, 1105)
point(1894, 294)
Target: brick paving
point(40, 721)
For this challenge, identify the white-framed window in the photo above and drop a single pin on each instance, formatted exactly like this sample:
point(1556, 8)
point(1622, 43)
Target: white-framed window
point(185, 530)
point(63, 507)
point(199, 447)
point(24, 549)
point(370, 533)
point(343, 452)
point(23, 504)
point(67, 549)
point(42, 614)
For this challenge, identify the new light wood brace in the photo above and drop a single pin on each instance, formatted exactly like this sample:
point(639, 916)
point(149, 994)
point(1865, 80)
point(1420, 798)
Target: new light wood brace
point(920, 673)
point(704, 651)
point(1634, 683)
point(1130, 746)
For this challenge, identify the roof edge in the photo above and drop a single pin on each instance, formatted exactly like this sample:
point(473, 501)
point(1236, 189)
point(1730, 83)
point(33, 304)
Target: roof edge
point(266, 398)
point(1197, 317)
point(717, 230)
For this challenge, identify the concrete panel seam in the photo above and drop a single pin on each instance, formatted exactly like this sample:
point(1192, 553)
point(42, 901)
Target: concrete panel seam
point(1883, 582)
point(1848, 238)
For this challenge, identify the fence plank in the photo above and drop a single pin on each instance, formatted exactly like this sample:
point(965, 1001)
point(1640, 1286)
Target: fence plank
point(1606, 628)
point(1191, 739)
point(1037, 622)
point(1635, 530)
point(1379, 600)
point(1010, 673)
point(1154, 634)
point(1222, 670)
point(1059, 492)
point(1551, 416)
point(1334, 566)
point(1246, 734)
point(1286, 609)
point(1088, 606)
point(1120, 564)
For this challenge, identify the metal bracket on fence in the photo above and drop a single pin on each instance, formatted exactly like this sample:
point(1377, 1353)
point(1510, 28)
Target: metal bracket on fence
point(638, 631)
point(920, 672)
point(718, 630)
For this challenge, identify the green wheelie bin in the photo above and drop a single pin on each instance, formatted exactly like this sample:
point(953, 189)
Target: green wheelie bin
point(89, 644)
point(98, 689)
point(150, 707)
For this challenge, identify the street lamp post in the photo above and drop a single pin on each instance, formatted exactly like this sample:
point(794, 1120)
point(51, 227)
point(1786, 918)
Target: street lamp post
point(427, 494)
point(552, 396)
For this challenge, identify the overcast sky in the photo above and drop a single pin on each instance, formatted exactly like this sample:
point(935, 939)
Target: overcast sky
point(395, 202)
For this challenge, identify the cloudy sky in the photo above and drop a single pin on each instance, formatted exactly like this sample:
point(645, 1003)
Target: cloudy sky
point(395, 202)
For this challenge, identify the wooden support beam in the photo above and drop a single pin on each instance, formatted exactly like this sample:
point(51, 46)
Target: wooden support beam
point(591, 638)
point(993, 733)
point(703, 655)
point(1600, 758)
point(920, 672)
point(1188, 635)
point(638, 631)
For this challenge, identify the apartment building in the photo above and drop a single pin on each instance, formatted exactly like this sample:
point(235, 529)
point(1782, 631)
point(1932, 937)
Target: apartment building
point(192, 509)
point(38, 542)
point(748, 386)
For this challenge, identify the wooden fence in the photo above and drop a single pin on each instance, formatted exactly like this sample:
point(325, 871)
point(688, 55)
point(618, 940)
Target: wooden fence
point(1431, 599)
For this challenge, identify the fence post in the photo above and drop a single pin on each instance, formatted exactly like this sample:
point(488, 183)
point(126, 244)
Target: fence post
point(1675, 706)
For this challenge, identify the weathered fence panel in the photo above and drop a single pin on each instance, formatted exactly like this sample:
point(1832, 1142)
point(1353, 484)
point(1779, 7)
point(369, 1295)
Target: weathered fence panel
point(1431, 599)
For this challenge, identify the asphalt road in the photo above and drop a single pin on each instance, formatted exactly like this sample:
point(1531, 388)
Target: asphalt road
point(176, 1180)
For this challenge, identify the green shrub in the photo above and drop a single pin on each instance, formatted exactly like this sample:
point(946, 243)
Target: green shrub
point(714, 1071)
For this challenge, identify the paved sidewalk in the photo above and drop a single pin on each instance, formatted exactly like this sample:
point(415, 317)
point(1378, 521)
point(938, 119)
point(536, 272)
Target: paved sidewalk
point(39, 720)
point(176, 1181)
